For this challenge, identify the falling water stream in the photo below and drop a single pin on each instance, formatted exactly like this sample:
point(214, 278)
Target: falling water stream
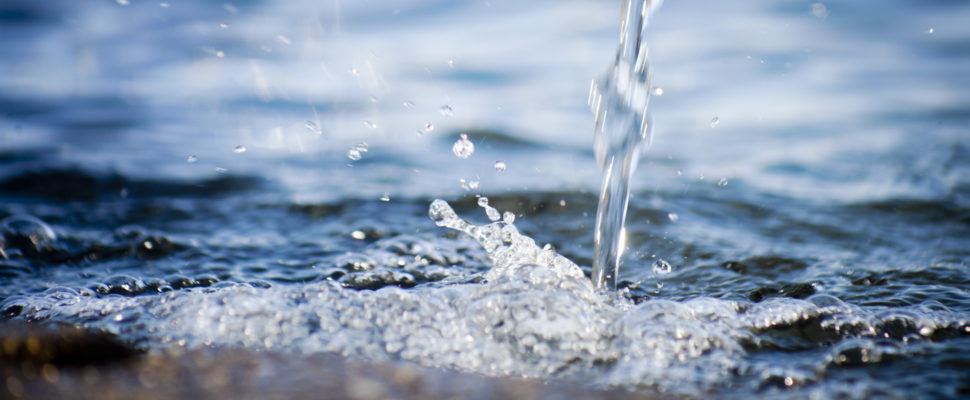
point(620, 99)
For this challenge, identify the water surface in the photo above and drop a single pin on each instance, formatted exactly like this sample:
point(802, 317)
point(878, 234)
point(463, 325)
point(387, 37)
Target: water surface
point(817, 233)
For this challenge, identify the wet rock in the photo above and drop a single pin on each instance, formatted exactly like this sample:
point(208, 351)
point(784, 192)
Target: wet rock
point(59, 345)
point(241, 374)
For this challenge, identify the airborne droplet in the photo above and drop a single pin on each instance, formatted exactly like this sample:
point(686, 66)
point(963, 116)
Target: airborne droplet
point(500, 166)
point(239, 149)
point(355, 153)
point(463, 147)
point(662, 267)
point(446, 110)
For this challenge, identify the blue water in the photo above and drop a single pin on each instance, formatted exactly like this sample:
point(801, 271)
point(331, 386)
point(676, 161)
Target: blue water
point(818, 233)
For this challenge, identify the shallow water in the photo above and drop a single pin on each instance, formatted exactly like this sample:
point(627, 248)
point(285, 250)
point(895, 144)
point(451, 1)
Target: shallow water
point(817, 233)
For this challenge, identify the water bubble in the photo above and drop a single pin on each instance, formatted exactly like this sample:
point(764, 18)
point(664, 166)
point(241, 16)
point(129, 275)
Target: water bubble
point(359, 235)
point(662, 267)
point(819, 10)
point(314, 127)
point(446, 110)
point(722, 182)
point(357, 152)
point(658, 91)
point(26, 231)
point(192, 159)
point(221, 170)
point(239, 149)
point(673, 217)
point(463, 148)
point(715, 121)
point(508, 217)
point(500, 166)
point(386, 197)
point(370, 125)
point(428, 127)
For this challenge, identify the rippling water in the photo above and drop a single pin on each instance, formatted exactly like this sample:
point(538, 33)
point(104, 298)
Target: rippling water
point(809, 187)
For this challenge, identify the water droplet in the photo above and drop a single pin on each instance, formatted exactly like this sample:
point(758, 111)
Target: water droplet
point(239, 149)
point(221, 170)
point(508, 217)
point(491, 212)
point(473, 185)
point(428, 127)
point(451, 63)
point(359, 235)
point(283, 39)
point(408, 104)
point(192, 159)
point(929, 31)
point(819, 10)
point(122, 2)
point(446, 110)
point(500, 166)
point(354, 72)
point(673, 217)
point(355, 153)
point(658, 91)
point(722, 182)
point(715, 121)
point(662, 267)
point(163, 5)
point(386, 197)
point(374, 99)
point(314, 127)
point(562, 203)
point(680, 173)
point(463, 148)
point(220, 54)
point(370, 125)
point(223, 25)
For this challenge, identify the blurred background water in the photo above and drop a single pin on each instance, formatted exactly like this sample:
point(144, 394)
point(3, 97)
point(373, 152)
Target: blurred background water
point(181, 150)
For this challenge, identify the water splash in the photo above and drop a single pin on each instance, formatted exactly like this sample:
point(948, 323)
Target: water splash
point(508, 250)
point(620, 99)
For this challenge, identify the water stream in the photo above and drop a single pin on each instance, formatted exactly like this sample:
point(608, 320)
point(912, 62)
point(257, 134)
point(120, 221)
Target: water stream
point(620, 98)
